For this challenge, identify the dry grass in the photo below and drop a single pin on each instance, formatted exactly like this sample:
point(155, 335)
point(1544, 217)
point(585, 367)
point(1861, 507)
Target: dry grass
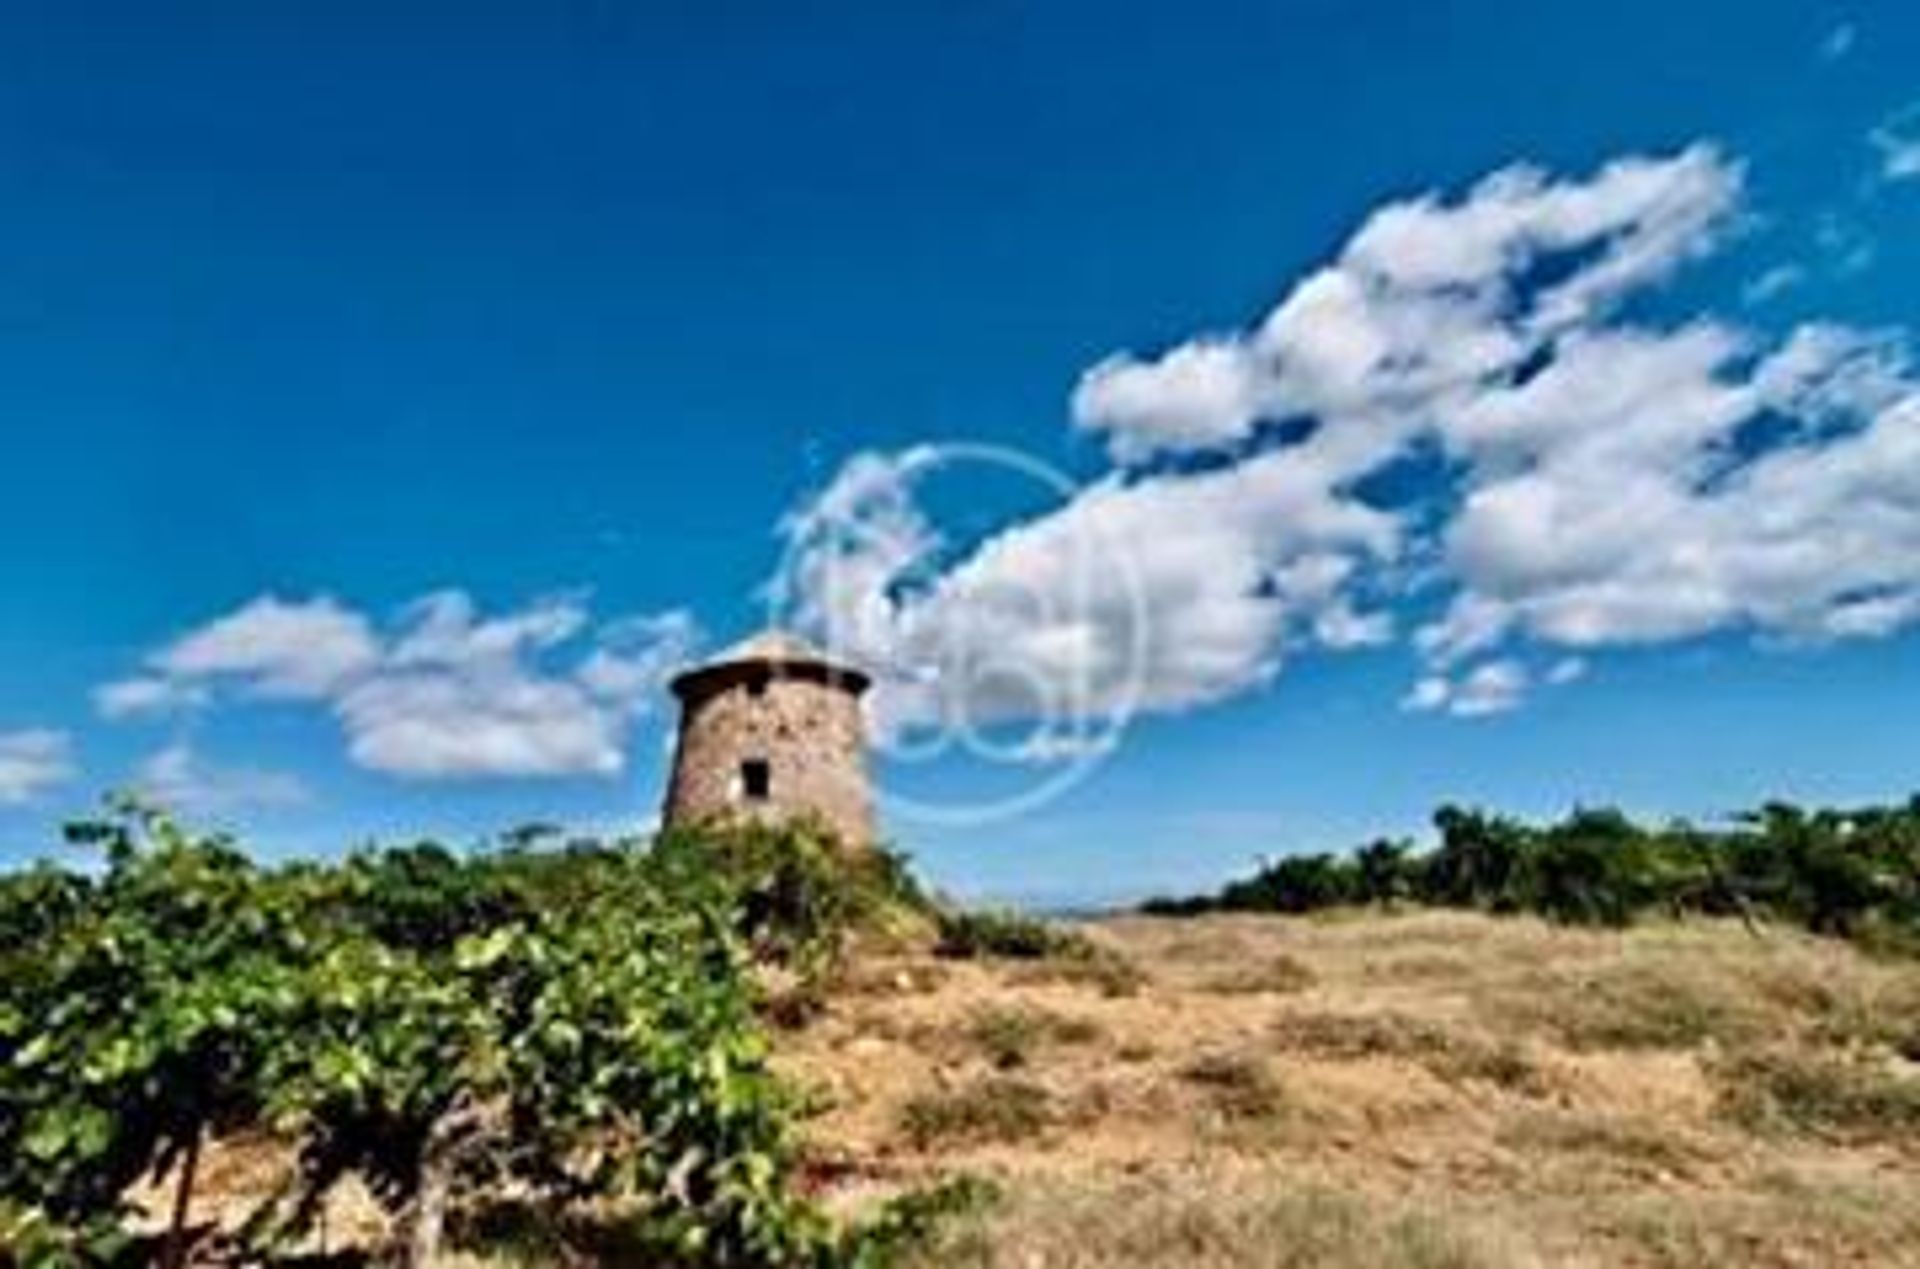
point(1407, 1090)
point(1277, 975)
point(1848, 1099)
point(1009, 1037)
point(996, 1109)
point(1643, 1148)
point(1190, 1220)
point(1447, 1052)
point(1237, 1088)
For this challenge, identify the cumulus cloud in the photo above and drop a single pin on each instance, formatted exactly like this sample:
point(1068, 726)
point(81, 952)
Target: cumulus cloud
point(33, 762)
point(1200, 394)
point(1430, 299)
point(441, 691)
point(1158, 593)
point(1466, 413)
point(292, 650)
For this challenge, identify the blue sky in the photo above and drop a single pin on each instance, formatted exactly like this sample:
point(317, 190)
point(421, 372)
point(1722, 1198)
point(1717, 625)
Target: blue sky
point(564, 309)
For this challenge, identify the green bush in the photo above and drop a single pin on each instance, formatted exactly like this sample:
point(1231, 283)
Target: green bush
point(576, 1028)
point(1852, 873)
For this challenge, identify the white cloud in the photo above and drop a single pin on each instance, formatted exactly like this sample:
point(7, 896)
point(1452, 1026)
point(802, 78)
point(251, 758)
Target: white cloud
point(480, 721)
point(1657, 522)
point(1839, 42)
point(1200, 394)
point(33, 762)
point(443, 691)
point(297, 651)
point(179, 778)
point(1897, 138)
point(147, 696)
point(635, 656)
point(1159, 593)
point(1494, 687)
point(1590, 478)
point(1428, 299)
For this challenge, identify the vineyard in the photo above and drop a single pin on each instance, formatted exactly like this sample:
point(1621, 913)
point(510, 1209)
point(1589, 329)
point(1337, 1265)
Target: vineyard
point(563, 1038)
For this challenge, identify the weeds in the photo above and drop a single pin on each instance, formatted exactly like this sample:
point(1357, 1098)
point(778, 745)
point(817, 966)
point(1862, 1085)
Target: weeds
point(1107, 972)
point(1848, 1100)
point(1237, 1087)
point(1054, 954)
point(1278, 975)
point(1162, 1223)
point(1449, 1055)
point(1637, 1007)
point(1640, 1145)
point(1009, 1036)
point(997, 1109)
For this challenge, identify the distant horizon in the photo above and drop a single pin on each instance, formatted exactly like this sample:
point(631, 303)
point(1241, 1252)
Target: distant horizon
point(1062, 903)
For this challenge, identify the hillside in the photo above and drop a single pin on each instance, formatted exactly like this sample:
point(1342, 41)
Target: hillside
point(1415, 1089)
point(1379, 1086)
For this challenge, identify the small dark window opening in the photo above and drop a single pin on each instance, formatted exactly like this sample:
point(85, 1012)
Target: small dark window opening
point(756, 779)
point(757, 685)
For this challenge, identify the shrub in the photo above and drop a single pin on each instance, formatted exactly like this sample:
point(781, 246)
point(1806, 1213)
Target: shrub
point(1054, 954)
point(970, 935)
point(796, 893)
point(445, 1028)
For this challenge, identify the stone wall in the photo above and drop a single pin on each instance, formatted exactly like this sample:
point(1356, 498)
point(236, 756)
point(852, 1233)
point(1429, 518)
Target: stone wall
point(808, 730)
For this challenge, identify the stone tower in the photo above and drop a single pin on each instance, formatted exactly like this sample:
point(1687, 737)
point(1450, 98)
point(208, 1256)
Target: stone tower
point(771, 731)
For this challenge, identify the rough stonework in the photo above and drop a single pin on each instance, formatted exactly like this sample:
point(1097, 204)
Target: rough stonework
point(771, 732)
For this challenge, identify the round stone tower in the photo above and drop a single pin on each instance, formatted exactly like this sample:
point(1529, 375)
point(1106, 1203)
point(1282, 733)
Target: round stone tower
point(771, 732)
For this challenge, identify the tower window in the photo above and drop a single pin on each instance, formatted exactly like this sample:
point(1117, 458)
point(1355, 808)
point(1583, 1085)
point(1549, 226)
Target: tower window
point(756, 779)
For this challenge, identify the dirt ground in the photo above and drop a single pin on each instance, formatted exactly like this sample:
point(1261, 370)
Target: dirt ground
point(1421, 1089)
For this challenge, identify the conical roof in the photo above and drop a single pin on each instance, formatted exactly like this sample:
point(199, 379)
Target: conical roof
point(770, 646)
point(772, 649)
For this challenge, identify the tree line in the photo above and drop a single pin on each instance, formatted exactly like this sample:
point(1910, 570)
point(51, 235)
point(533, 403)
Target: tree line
point(554, 1037)
point(1852, 873)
